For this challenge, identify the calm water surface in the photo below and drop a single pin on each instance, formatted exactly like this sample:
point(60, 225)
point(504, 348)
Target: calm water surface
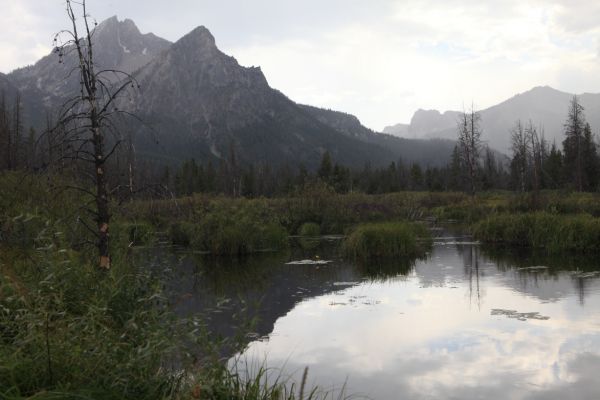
point(464, 323)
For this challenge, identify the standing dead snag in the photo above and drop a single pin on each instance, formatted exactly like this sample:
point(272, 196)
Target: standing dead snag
point(86, 119)
point(469, 145)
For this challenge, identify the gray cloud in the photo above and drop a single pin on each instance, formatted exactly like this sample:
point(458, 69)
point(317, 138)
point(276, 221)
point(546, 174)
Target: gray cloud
point(358, 56)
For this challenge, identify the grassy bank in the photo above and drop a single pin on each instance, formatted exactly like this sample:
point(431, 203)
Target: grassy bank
point(551, 232)
point(71, 331)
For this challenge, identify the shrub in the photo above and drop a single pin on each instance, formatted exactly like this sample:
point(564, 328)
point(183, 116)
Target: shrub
point(231, 227)
point(181, 233)
point(309, 229)
point(551, 232)
point(388, 239)
point(137, 234)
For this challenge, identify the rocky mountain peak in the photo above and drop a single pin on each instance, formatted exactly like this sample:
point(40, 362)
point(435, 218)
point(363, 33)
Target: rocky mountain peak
point(199, 40)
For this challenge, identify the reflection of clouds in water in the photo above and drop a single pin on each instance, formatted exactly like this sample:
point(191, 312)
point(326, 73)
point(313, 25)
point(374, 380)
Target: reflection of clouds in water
point(426, 340)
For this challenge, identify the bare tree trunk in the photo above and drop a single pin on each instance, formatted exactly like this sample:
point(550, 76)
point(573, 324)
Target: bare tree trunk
point(103, 215)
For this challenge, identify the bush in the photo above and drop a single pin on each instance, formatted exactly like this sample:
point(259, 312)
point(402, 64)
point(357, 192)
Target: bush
point(181, 233)
point(136, 234)
point(68, 330)
point(388, 239)
point(239, 230)
point(551, 232)
point(309, 229)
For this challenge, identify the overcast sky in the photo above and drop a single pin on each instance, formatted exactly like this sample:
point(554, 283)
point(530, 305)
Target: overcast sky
point(378, 59)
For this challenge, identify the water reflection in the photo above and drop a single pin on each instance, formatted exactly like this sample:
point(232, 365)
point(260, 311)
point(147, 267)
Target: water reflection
point(466, 322)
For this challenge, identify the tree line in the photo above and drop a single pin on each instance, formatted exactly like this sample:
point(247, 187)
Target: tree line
point(534, 164)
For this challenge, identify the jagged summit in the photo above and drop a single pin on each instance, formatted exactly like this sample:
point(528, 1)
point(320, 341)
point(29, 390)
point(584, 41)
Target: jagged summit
point(117, 45)
point(202, 35)
point(199, 102)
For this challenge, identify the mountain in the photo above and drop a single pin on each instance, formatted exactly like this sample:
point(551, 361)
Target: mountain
point(544, 106)
point(432, 152)
point(197, 102)
point(400, 130)
point(118, 45)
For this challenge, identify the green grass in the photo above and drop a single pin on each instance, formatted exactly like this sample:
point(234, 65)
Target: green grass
point(71, 331)
point(309, 229)
point(551, 232)
point(386, 240)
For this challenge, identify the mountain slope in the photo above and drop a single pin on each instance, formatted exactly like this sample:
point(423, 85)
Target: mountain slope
point(433, 152)
point(197, 102)
point(542, 105)
point(203, 103)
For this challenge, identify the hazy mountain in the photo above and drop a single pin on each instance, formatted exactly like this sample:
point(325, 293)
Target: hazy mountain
point(118, 45)
point(544, 106)
point(433, 152)
point(197, 102)
point(400, 130)
point(202, 103)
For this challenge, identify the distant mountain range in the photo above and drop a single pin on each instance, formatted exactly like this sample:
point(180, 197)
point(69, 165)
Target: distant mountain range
point(544, 106)
point(197, 102)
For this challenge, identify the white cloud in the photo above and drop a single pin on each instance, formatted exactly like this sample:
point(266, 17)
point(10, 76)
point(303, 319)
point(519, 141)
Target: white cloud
point(443, 52)
point(380, 61)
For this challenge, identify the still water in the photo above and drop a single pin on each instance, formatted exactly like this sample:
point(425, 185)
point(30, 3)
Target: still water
point(463, 323)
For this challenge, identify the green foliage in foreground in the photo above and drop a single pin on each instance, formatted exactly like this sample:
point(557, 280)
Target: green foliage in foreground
point(551, 232)
point(387, 239)
point(68, 330)
point(71, 331)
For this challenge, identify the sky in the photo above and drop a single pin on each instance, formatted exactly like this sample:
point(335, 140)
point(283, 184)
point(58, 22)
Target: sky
point(380, 60)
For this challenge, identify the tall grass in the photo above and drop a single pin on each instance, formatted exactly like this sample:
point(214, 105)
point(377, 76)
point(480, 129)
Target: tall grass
point(550, 232)
point(385, 240)
point(231, 228)
point(70, 331)
point(309, 229)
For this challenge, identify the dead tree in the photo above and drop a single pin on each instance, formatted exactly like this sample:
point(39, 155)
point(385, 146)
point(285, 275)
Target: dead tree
point(89, 135)
point(469, 145)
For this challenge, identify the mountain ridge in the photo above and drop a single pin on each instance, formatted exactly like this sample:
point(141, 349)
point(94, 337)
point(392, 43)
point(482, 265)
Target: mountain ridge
point(543, 105)
point(198, 102)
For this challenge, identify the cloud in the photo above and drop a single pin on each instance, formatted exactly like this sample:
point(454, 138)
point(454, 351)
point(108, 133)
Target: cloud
point(380, 62)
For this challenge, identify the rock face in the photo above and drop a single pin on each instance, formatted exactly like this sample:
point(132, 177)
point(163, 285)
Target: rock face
point(118, 45)
point(400, 130)
point(544, 106)
point(197, 102)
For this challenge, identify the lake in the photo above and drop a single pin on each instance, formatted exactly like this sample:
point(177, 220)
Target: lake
point(465, 322)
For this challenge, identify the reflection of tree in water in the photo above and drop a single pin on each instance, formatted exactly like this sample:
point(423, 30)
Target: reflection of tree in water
point(534, 268)
point(226, 276)
point(471, 259)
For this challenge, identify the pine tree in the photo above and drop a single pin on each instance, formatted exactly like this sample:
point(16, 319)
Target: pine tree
point(589, 160)
point(455, 172)
point(553, 168)
point(326, 167)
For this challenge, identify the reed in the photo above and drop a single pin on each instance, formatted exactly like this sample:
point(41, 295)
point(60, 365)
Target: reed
point(385, 240)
